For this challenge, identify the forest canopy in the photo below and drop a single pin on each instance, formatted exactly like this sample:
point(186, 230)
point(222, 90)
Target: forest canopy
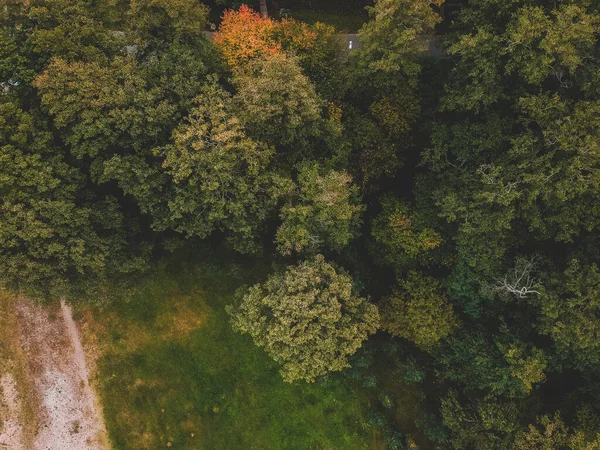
point(429, 201)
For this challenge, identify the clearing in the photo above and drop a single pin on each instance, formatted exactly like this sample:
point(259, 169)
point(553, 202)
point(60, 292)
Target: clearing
point(174, 374)
point(170, 373)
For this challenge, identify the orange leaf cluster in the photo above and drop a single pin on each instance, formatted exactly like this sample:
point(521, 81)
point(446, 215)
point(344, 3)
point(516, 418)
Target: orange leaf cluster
point(244, 35)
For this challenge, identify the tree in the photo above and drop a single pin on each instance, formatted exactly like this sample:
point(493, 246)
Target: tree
point(56, 236)
point(514, 133)
point(555, 434)
point(244, 35)
point(323, 213)
point(278, 103)
point(419, 312)
point(401, 236)
point(308, 319)
point(320, 51)
point(393, 40)
point(484, 425)
point(160, 22)
point(527, 363)
point(569, 313)
point(382, 86)
point(221, 179)
point(180, 72)
point(103, 109)
point(497, 366)
point(75, 30)
point(519, 281)
point(15, 66)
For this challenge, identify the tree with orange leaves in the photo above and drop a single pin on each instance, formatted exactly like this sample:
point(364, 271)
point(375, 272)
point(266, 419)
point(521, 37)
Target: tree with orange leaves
point(244, 35)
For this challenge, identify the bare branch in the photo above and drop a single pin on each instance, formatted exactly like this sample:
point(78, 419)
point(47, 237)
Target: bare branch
point(519, 281)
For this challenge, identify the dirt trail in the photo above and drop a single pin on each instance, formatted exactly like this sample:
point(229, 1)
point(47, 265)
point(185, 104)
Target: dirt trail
point(11, 430)
point(66, 409)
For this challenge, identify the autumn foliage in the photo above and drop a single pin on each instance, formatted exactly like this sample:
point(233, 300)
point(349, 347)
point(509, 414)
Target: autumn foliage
point(245, 34)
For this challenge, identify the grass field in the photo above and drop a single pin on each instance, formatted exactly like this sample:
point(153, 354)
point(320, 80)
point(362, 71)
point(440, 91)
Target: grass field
point(173, 373)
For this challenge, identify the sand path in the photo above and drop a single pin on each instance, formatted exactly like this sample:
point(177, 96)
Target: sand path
point(68, 416)
point(11, 430)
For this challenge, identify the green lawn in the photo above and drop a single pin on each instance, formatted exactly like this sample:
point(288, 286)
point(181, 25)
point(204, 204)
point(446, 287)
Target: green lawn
point(169, 347)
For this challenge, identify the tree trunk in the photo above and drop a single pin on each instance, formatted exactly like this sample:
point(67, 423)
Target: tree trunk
point(263, 8)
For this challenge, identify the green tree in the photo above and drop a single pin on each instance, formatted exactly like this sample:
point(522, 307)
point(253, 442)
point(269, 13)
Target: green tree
point(156, 23)
point(56, 236)
point(181, 71)
point(419, 312)
point(401, 236)
point(221, 179)
point(278, 103)
point(75, 30)
point(512, 149)
point(551, 433)
point(382, 86)
point(569, 313)
point(391, 43)
point(485, 425)
point(15, 64)
point(102, 109)
point(33, 32)
point(308, 319)
point(323, 213)
point(554, 434)
point(499, 366)
point(319, 49)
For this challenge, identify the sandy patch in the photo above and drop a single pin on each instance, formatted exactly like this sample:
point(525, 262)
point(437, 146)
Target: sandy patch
point(68, 416)
point(11, 429)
